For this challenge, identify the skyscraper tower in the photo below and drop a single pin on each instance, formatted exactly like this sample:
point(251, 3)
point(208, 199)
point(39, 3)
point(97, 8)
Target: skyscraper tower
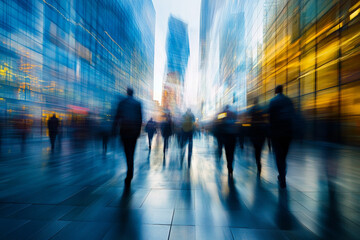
point(177, 52)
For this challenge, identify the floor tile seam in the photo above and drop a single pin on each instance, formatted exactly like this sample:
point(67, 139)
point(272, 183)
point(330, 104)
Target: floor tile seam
point(142, 203)
point(47, 223)
point(171, 224)
point(77, 192)
point(88, 221)
point(232, 234)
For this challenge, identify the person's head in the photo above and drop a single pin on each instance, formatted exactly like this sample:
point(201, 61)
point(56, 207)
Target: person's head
point(150, 119)
point(130, 92)
point(227, 107)
point(279, 89)
point(188, 110)
point(54, 115)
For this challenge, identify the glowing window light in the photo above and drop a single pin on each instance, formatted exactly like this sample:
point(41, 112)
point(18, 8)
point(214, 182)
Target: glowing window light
point(354, 14)
point(222, 115)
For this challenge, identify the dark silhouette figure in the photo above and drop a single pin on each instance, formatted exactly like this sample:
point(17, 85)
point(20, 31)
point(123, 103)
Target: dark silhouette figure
point(219, 138)
point(53, 126)
point(188, 132)
point(227, 133)
point(257, 132)
point(150, 128)
point(105, 132)
point(281, 113)
point(129, 115)
point(166, 131)
point(229, 138)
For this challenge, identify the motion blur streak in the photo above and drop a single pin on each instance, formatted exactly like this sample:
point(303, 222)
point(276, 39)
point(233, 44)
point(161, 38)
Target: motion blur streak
point(63, 56)
point(179, 119)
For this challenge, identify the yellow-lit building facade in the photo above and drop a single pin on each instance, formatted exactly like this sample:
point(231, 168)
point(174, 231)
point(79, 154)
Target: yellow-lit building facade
point(312, 48)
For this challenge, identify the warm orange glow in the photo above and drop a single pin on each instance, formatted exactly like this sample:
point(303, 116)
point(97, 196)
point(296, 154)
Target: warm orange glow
point(354, 14)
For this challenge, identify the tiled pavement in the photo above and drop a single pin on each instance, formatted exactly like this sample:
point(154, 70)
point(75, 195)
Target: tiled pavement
point(78, 193)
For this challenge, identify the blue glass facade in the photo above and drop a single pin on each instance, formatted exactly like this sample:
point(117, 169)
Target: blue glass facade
point(57, 56)
point(177, 47)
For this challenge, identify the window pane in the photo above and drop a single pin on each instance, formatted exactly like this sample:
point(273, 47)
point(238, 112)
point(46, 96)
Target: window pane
point(327, 75)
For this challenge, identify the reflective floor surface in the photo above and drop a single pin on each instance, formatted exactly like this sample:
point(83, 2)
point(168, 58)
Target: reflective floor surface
point(77, 192)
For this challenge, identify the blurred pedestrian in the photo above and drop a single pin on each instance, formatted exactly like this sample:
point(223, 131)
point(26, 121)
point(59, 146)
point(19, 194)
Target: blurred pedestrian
point(129, 114)
point(228, 132)
point(281, 114)
point(217, 131)
point(105, 133)
point(257, 131)
point(150, 128)
point(187, 132)
point(166, 131)
point(53, 126)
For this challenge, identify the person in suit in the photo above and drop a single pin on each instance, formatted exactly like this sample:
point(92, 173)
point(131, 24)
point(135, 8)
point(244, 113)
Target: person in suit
point(187, 133)
point(53, 127)
point(166, 131)
point(281, 114)
point(150, 128)
point(227, 133)
point(257, 132)
point(129, 115)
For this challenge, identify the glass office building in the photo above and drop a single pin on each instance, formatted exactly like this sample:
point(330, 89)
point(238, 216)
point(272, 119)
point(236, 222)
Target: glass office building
point(222, 57)
point(312, 48)
point(177, 53)
point(177, 47)
point(73, 57)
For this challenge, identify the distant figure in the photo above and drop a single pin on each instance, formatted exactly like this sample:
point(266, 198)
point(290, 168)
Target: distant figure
point(228, 132)
point(257, 132)
point(187, 132)
point(53, 126)
point(166, 131)
point(281, 113)
point(150, 128)
point(105, 132)
point(129, 114)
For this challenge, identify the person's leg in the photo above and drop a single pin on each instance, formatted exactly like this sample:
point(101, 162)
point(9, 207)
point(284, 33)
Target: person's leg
point(190, 139)
point(131, 158)
point(258, 149)
point(150, 136)
point(190, 147)
point(129, 154)
point(277, 152)
point(278, 147)
point(285, 149)
point(52, 140)
point(166, 141)
point(229, 152)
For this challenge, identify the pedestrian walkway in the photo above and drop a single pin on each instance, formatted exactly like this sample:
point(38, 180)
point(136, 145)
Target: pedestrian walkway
point(78, 193)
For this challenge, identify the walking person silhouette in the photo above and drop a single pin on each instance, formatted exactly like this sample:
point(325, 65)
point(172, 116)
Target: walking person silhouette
point(129, 115)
